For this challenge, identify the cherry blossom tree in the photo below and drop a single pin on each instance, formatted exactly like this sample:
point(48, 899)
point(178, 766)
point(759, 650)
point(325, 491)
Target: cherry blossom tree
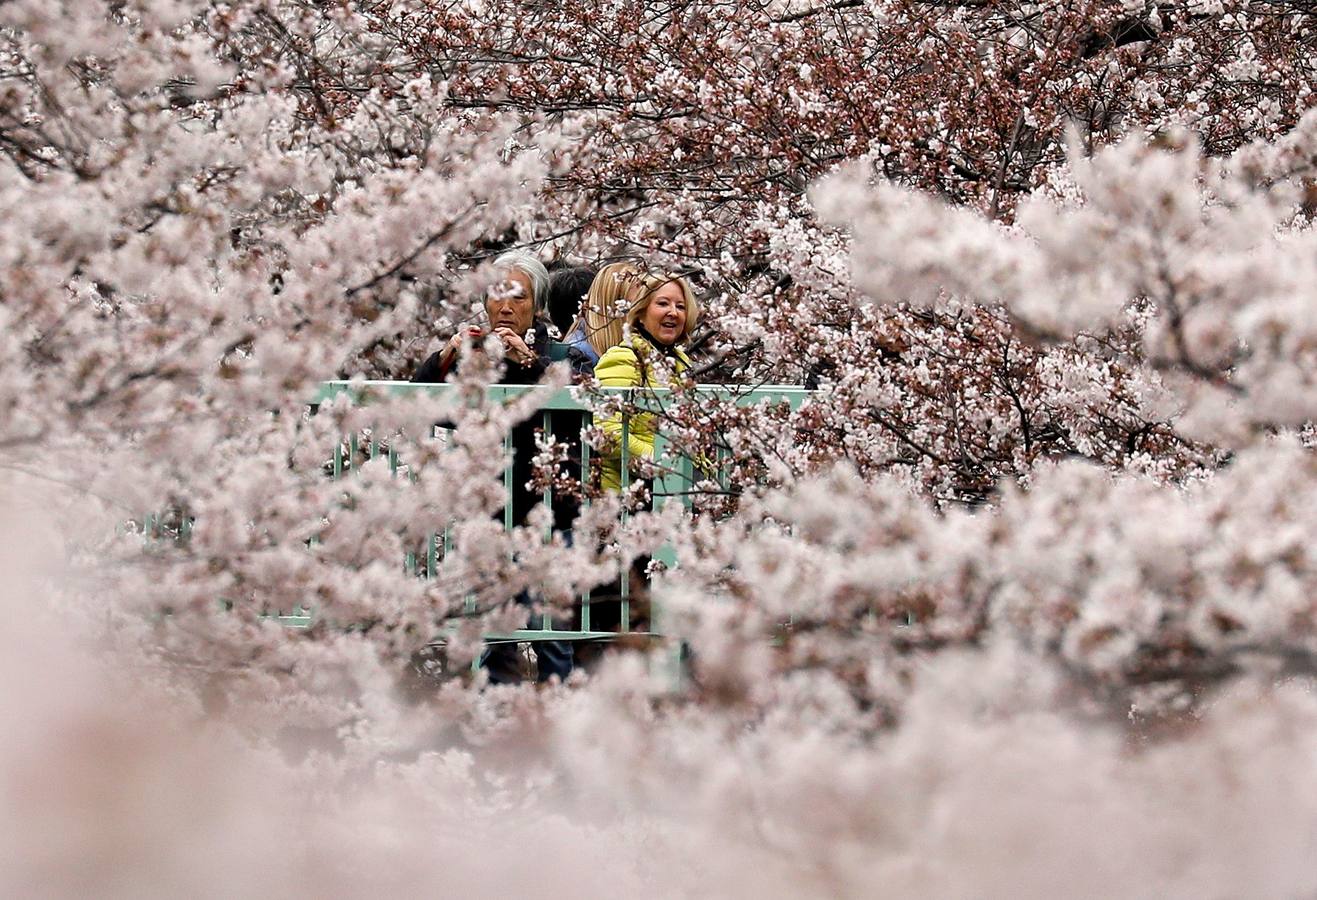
point(693, 129)
point(1037, 544)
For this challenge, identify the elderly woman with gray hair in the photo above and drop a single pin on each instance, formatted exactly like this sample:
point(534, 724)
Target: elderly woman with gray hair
point(513, 306)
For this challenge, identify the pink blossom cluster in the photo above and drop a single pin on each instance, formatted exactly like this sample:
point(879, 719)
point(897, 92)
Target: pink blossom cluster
point(1030, 568)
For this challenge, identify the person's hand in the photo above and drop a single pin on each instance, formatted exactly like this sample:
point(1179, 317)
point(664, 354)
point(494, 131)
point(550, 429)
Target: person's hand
point(516, 348)
point(454, 344)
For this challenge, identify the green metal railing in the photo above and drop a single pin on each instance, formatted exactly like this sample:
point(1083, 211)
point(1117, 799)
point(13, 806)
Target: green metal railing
point(671, 482)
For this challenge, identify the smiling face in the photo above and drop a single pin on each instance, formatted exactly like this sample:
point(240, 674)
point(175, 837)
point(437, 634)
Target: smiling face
point(511, 302)
point(665, 316)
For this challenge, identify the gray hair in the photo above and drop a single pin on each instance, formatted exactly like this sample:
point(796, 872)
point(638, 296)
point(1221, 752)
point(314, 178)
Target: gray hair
point(533, 269)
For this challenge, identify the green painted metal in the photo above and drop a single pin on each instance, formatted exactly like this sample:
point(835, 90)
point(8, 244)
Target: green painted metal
point(546, 426)
point(585, 504)
point(652, 399)
point(623, 572)
point(672, 483)
point(507, 482)
point(531, 634)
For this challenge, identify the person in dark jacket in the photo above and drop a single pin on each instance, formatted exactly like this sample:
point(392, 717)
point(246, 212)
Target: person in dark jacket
point(567, 288)
point(513, 307)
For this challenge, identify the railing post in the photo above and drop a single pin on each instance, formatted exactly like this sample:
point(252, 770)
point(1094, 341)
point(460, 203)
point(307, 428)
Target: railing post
point(546, 429)
point(624, 571)
point(675, 477)
point(666, 485)
point(585, 504)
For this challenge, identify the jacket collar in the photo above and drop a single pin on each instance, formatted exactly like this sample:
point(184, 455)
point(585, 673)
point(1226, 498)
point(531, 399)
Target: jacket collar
point(639, 332)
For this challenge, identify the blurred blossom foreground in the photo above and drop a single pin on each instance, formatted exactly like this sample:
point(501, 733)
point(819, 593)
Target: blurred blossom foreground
point(1017, 598)
point(121, 784)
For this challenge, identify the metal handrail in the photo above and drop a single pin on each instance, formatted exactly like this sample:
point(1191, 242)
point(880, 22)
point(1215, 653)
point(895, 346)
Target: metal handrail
point(363, 392)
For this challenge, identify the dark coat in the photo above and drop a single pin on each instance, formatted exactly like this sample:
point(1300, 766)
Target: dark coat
point(523, 433)
point(433, 372)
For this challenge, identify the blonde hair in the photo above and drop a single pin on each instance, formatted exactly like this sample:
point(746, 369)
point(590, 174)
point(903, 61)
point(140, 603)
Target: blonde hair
point(651, 283)
point(599, 318)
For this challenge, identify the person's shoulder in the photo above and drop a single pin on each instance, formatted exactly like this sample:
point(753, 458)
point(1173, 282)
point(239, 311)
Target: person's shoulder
point(583, 348)
point(577, 340)
point(619, 353)
point(431, 371)
point(619, 363)
point(581, 358)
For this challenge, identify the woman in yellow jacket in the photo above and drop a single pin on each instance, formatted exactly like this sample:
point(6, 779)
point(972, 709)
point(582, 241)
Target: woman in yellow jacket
point(660, 320)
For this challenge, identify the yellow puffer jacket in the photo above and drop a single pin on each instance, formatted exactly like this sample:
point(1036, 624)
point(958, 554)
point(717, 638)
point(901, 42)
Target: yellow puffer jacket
point(622, 366)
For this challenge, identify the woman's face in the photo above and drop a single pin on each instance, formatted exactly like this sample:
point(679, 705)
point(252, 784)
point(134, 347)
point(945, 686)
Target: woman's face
point(510, 303)
point(665, 316)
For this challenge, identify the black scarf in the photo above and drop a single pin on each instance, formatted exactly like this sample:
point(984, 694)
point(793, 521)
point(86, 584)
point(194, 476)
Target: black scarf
point(668, 350)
